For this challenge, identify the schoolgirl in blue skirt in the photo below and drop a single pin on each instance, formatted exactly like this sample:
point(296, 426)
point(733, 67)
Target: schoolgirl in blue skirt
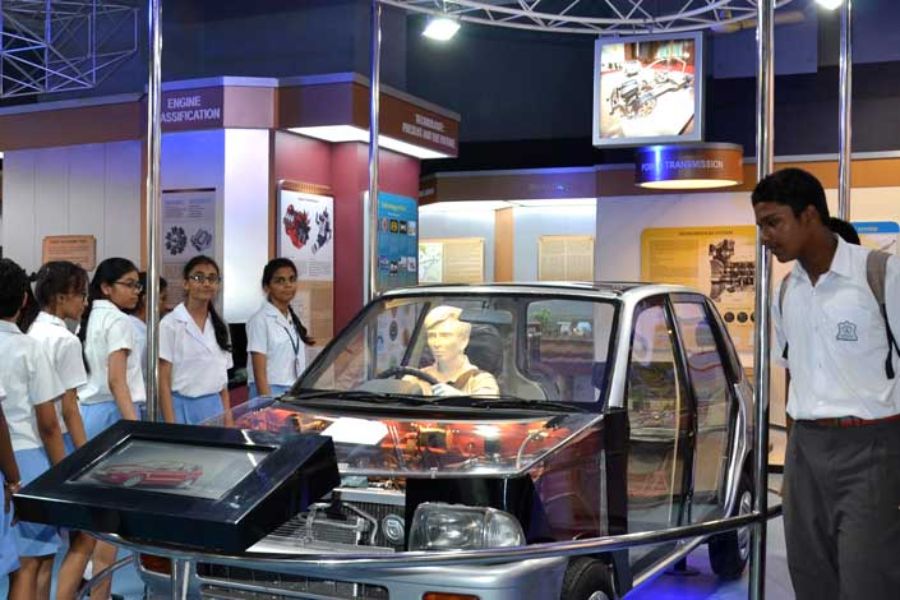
point(195, 351)
point(9, 477)
point(32, 390)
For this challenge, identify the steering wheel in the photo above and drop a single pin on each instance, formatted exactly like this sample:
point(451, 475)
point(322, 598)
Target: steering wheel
point(401, 371)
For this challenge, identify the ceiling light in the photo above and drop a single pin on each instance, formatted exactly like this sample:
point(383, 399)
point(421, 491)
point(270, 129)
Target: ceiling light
point(689, 167)
point(349, 133)
point(441, 28)
point(829, 4)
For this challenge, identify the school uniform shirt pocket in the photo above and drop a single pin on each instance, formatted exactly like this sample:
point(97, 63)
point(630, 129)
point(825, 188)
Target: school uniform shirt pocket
point(850, 329)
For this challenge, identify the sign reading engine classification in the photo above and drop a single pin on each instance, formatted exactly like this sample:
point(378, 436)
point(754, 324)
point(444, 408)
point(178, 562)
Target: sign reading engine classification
point(192, 109)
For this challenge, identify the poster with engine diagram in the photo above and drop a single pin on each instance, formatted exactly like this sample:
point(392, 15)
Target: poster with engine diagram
point(188, 230)
point(718, 261)
point(306, 236)
point(648, 90)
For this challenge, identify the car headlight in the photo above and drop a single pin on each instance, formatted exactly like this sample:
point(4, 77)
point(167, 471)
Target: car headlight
point(438, 526)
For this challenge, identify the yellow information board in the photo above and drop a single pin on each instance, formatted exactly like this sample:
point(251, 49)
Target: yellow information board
point(451, 260)
point(566, 258)
point(718, 261)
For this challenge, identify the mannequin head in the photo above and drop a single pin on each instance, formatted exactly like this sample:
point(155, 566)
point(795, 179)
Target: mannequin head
point(448, 336)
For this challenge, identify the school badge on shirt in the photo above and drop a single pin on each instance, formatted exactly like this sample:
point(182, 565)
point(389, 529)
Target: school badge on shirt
point(847, 332)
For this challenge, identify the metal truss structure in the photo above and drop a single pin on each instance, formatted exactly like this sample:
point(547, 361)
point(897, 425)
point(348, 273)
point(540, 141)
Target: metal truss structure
point(49, 46)
point(593, 17)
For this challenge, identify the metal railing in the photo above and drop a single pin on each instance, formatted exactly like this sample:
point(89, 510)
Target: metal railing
point(182, 558)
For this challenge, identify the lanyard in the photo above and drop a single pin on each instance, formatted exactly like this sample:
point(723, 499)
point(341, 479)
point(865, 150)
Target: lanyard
point(295, 344)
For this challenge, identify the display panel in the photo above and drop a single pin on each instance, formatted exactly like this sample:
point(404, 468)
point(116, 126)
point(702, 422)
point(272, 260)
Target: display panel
point(648, 90)
point(172, 468)
point(202, 487)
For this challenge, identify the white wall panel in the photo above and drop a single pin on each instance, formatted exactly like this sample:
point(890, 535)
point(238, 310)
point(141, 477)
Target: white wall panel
point(80, 190)
point(246, 220)
point(533, 222)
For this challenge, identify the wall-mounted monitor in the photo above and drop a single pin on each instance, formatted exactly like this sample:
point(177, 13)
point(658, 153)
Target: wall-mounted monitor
point(648, 90)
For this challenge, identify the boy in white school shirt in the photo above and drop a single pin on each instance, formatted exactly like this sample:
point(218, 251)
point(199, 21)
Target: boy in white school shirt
point(32, 390)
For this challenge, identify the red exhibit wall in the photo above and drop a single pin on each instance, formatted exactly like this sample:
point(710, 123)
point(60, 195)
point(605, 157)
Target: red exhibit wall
point(345, 169)
point(398, 174)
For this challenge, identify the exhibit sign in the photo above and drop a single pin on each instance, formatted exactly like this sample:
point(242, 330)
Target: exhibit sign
point(398, 237)
point(306, 236)
point(648, 90)
point(79, 249)
point(879, 235)
point(689, 166)
point(188, 230)
point(718, 261)
point(184, 110)
point(451, 260)
point(202, 487)
point(566, 258)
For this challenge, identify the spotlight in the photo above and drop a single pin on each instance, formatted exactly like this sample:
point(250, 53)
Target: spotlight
point(829, 4)
point(441, 28)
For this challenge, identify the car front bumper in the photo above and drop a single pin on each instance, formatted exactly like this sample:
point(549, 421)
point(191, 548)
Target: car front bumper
point(536, 579)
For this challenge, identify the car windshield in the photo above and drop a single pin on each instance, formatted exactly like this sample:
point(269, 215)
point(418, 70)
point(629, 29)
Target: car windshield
point(451, 349)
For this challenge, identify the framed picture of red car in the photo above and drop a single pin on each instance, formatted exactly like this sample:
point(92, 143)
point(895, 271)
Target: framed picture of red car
point(648, 90)
point(204, 487)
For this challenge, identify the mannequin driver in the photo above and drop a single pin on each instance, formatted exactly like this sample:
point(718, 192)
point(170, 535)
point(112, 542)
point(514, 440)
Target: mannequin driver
point(448, 338)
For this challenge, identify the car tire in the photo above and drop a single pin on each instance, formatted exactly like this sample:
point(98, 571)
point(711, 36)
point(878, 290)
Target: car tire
point(587, 579)
point(730, 551)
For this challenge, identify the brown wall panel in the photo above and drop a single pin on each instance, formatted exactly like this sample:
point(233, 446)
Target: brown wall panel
point(504, 251)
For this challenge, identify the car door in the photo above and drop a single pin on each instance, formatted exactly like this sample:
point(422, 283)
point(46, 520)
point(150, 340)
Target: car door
point(710, 386)
point(659, 414)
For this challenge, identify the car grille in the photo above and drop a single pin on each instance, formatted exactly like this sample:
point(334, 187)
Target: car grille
point(235, 583)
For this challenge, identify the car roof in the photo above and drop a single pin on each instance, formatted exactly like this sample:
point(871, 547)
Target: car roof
point(611, 290)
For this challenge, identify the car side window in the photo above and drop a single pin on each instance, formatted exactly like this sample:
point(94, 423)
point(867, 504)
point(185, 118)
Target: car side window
point(707, 371)
point(654, 388)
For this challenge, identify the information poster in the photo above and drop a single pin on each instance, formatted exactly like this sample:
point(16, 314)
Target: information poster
point(306, 236)
point(718, 261)
point(880, 235)
point(566, 258)
point(451, 260)
point(395, 328)
point(188, 230)
point(79, 249)
point(398, 237)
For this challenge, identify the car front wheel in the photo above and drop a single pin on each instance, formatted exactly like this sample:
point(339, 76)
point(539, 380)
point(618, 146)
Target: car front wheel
point(587, 579)
point(730, 551)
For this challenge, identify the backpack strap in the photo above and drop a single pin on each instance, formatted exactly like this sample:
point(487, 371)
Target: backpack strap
point(782, 292)
point(876, 275)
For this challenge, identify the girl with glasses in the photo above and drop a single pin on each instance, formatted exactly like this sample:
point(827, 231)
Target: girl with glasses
point(195, 350)
point(115, 388)
point(60, 291)
point(276, 339)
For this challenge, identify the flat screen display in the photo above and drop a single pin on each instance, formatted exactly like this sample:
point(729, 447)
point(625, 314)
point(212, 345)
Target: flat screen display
point(648, 90)
point(172, 468)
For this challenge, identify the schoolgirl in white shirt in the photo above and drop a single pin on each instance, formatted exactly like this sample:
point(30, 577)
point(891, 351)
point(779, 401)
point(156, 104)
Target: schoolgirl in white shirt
point(195, 351)
point(9, 477)
point(115, 384)
point(138, 315)
point(276, 339)
point(115, 388)
point(60, 291)
point(32, 391)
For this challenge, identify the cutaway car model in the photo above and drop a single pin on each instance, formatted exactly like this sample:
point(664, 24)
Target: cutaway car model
point(507, 416)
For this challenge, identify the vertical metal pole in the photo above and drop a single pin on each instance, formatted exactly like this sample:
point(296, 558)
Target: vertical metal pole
point(152, 208)
point(765, 86)
point(846, 110)
point(181, 578)
point(371, 285)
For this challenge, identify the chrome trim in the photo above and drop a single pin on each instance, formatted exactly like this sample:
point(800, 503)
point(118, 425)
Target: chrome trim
point(371, 495)
point(664, 563)
point(279, 562)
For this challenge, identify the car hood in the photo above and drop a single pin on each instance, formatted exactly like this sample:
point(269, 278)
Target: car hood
point(425, 447)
